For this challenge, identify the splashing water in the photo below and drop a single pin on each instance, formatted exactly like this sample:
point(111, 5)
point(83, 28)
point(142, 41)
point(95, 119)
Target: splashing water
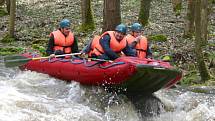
point(31, 96)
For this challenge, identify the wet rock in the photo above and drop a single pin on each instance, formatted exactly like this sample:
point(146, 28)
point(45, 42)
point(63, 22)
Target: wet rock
point(147, 105)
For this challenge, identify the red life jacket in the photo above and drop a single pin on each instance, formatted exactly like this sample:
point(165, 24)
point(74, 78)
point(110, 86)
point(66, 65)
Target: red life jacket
point(141, 46)
point(115, 45)
point(63, 43)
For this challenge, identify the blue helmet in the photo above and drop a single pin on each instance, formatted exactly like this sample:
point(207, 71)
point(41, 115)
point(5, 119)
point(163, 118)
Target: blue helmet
point(136, 27)
point(121, 28)
point(64, 23)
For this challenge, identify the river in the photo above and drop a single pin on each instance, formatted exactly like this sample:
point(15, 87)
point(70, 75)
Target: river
point(31, 96)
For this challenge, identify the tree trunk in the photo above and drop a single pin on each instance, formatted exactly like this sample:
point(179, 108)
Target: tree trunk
point(87, 16)
point(12, 17)
point(177, 5)
point(144, 12)
point(189, 22)
point(204, 21)
point(2, 2)
point(8, 5)
point(198, 48)
point(111, 14)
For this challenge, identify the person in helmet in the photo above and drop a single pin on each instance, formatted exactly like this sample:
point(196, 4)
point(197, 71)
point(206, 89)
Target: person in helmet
point(110, 45)
point(139, 42)
point(62, 41)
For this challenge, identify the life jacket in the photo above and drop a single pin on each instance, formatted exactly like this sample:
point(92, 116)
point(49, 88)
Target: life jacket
point(141, 46)
point(63, 43)
point(93, 44)
point(115, 45)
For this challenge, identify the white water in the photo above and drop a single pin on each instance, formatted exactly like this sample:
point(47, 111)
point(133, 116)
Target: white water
point(31, 96)
point(186, 106)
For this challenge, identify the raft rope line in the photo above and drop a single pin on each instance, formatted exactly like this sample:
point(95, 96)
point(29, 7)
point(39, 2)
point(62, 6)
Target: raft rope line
point(82, 61)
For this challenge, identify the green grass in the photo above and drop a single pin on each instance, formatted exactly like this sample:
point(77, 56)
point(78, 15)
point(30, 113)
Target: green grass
point(39, 48)
point(8, 39)
point(3, 12)
point(10, 51)
point(158, 37)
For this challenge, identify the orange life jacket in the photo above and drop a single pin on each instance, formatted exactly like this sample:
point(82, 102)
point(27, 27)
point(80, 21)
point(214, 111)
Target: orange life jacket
point(93, 44)
point(115, 45)
point(141, 46)
point(63, 43)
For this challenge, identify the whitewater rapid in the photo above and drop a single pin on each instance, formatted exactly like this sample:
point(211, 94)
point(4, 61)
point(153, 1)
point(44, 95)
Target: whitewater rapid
point(31, 96)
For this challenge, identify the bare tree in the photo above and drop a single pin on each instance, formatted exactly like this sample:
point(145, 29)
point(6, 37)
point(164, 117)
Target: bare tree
point(2, 2)
point(204, 21)
point(12, 17)
point(8, 5)
point(87, 16)
point(144, 12)
point(189, 21)
point(198, 46)
point(111, 14)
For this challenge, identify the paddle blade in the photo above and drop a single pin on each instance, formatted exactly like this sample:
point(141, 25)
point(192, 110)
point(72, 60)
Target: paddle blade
point(15, 60)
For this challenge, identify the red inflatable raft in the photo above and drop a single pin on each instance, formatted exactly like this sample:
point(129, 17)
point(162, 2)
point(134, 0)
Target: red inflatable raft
point(127, 74)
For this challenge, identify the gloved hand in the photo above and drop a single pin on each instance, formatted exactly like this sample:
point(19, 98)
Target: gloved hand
point(52, 56)
point(57, 52)
point(83, 55)
point(137, 39)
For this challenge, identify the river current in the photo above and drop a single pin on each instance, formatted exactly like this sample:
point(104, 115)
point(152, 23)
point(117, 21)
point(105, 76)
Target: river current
point(31, 96)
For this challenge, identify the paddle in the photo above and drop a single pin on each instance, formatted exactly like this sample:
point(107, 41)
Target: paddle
point(18, 60)
point(86, 57)
point(96, 59)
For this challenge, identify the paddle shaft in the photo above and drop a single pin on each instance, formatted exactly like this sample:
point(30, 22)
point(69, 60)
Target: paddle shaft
point(18, 60)
point(38, 58)
point(97, 59)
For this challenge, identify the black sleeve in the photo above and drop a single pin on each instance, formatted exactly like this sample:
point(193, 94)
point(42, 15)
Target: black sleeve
point(129, 51)
point(50, 47)
point(87, 48)
point(148, 51)
point(75, 46)
point(105, 43)
point(133, 44)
